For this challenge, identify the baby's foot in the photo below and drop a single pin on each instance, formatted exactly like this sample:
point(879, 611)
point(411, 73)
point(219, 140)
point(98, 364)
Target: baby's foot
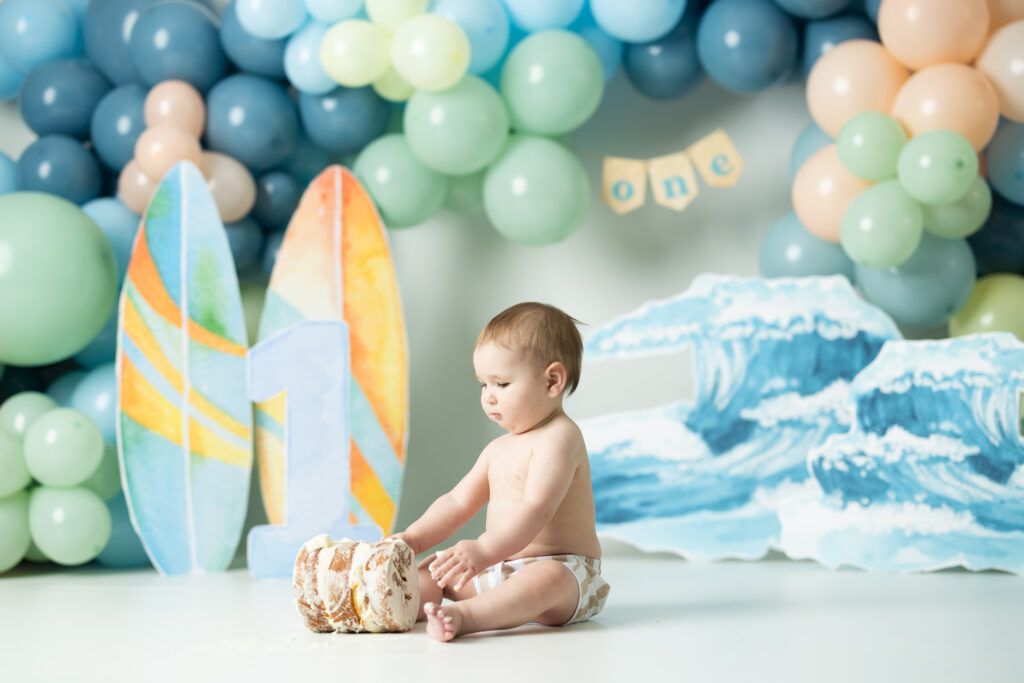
point(442, 623)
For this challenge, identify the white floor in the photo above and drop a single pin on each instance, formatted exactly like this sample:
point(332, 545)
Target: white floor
point(666, 619)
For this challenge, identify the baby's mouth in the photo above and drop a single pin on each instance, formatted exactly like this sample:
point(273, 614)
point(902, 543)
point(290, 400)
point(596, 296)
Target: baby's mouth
point(495, 416)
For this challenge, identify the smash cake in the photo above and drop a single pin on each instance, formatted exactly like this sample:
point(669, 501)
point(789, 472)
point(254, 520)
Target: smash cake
point(355, 587)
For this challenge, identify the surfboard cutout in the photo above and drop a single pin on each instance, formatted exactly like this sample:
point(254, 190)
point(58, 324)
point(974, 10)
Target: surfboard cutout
point(335, 264)
point(184, 427)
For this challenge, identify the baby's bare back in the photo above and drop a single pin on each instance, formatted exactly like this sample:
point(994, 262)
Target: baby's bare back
point(510, 458)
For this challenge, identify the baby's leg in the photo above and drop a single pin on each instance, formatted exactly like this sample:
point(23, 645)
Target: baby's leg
point(544, 591)
point(430, 592)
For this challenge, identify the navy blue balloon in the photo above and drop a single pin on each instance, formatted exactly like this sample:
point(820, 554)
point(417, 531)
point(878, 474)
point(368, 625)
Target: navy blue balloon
point(251, 119)
point(871, 9)
point(246, 240)
point(60, 165)
point(117, 123)
point(344, 120)
point(667, 67)
point(107, 29)
point(178, 40)
point(823, 35)
point(812, 9)
point(277, 196)
point(248, 52)
point(306, 160)
point(999, 246)
point(59, 97)
point(270, 248)
point(746, 46)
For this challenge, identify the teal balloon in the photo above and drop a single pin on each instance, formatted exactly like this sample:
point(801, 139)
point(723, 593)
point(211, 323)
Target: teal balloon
point(811, 139)
point(552, 82)
point(14, 475)
point(124, 550)
point(105, 481)
point(63, 448)
point(882, 226)
point(963, 217)
point(869, 145)
point(938, 167)
point(19, 411)
point(62, 387)
point(405, 190)
point(58, 283)
point(789, 250)
point(459, 130)
point(536, 193)
point(465, 195)
point(14, 529)
point(928, 288)
point(70, 525)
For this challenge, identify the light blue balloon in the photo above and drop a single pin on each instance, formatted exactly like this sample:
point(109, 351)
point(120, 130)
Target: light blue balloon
point(33, 32)
point(10, 80)
point(789, 250)
point(609, 49)
point(485, 24)
point(117, 123)
point(331, 11)
point(927, 289)
point(811, 139)
point(119, 224)
point(637, 21)
point(103, 347)
point(1005, 158)
point(124, 550)
point(107, 29)
point(248, 52)
point(541, 15)
point(60, 389)
point(59, 97)
point(344, 120)
point(96, 398)
point(251, 119)
point(180, 41)
point(270, 248)
point(271, 20)
point(57, 164)
point(246, 240)
point(746, 46)
point(302, 60)
point(8, 174)
point(78, 7)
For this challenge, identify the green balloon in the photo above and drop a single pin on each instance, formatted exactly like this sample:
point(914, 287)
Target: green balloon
point(63, 448)
point(14, 535)
point(459, 130)
point(58, 278)
point(938, 167)
point(882, 226)
point(105, 481)
point(405, 191)
point(536, 192)
point(70, 525)
point(963, 217)
point(14, 475)
point(552, 82)
point(869, 145)
point(994, 306)
point(22, 409)
point(465, 194)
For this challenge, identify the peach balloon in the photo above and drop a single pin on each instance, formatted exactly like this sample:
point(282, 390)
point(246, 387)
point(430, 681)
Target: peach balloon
point(231, 185)
point(822, 191)
point(953, 97)
point(1002, 62)
point(160, 147)
point(177, 104)
point(1003, 12)
point(134, 187)
point(920, 33)
point(852, 77)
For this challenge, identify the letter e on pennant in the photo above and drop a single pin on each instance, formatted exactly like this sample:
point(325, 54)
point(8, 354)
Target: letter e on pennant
point(624, 187)
point(673, 182)
point(716, 158)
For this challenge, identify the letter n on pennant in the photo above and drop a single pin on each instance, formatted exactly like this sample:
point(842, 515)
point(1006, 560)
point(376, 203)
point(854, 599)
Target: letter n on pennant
point(716, 158)
point(673, 182)
point(624, 187)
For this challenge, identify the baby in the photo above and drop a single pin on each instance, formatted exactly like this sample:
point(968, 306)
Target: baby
point(539, 558)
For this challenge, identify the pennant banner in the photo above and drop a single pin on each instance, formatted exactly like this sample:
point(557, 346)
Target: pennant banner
point(625, 187)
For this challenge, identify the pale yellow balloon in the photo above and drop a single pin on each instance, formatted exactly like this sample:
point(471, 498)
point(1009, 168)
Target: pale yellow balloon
point(160, 147)
point(1002, 62)
point(135, 188)
point(231, 184)
point(355, 52)
point(177, 104)
point(390, 14)
point(393, 87)
point(430, 52)
point(1003, 12)
point(822, 191)
point(921, 33)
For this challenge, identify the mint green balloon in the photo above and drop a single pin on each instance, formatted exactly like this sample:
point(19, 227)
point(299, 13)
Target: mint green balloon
point(552, 82)
point(14, 475)
point(536, 192)
point(466, 194)
point(882, 226)
point(459, 130)
point(70, 525)
point(105, 482)
point(405, 190)
point(14, 535)
point(938, 167)
point(58, 278)
point(963, 217)
point(63, 447)
point(34, 554)
point(869, 145)
point(22, 409)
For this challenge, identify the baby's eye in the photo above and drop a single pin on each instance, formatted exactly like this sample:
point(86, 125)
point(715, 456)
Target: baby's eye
point(502, 385)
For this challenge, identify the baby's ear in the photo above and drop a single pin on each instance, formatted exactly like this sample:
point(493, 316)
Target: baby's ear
point(555, 377)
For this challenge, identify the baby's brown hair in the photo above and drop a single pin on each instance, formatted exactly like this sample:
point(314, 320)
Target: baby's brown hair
point(544, 333)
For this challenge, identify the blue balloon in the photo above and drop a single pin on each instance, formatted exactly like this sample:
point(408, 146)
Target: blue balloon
point(60, 389)
point(246, 51)
point(925, 290)
point(107, 30)
point(178, 40)
point(302, 60)
point(96, 398)
point(59, 97)
point(251, 119)
point(999, 246)
point(811, 139)
point(667, 67)
point(277, 197)
point(117, 123)
point(746, 46)
point(331, 11)
point(8, 174)
point(485, 24)
point(812, 9)
point(270, 248)
point(1005, 158)
point(10, 80)
point(637, 21)
point(246, 239)
point(541, 15)
point(344, 120)
point(124, 550)
point(824, 34)
point(33, 32)
point(306, 161)
point(103, 347)
point(78, 7)
point(608, 48)
point(62, 166)
point(119, 224)
point(788, 250)
point(271, 20)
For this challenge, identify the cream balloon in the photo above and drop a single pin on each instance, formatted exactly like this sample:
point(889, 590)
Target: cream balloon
point(393, 87)
point(430, 52)
point(160, 147)
point(1002, 62)
point(135, 188)
point(231, 184)
point(390, 14)
point(822, 191)
point(921, 33)
point(355, 52)
point(176, 104)
point(953, 97)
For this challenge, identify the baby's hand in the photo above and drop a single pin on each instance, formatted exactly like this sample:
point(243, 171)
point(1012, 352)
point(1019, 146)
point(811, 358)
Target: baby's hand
point(458, 564)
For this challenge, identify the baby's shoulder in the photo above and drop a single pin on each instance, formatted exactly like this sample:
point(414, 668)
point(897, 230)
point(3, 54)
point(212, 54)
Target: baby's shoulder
point(564, 435)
